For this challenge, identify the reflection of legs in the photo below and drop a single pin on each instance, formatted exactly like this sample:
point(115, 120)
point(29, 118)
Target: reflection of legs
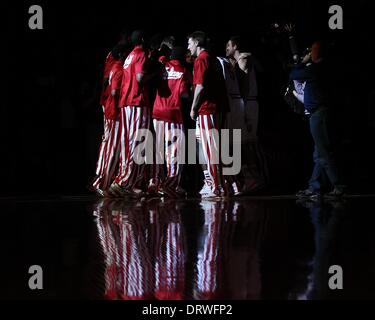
point(106, 234)
point(170, 256)
point(208, 275)
point(136, 276)
point(137, 118)
point(210, 146)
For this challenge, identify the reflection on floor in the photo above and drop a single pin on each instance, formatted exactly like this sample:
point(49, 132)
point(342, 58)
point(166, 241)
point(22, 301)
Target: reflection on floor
point(263, 248)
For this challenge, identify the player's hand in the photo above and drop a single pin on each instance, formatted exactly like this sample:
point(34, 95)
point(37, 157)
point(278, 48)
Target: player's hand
point(193, 115)
point(289, 27)
point(307, 58)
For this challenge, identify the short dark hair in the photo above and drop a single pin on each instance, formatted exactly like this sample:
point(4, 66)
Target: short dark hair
point(199, 36)
point(236, 41)
point(168, 41)
point(137, 37)
point(155, 41)
point(119, 49)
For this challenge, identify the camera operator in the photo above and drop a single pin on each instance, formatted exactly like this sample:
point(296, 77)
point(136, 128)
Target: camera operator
point(311, 71)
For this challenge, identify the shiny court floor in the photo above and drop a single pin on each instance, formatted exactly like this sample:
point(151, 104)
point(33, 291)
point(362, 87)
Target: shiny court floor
point(250, 248)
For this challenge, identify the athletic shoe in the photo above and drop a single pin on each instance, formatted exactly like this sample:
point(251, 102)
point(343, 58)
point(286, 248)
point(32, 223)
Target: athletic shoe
point(308, 194)
point(335, 194)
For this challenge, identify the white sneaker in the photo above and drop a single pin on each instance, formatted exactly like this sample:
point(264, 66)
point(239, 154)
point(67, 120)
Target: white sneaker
point(205, 190)
point(236, 189)
point(211, 195)
point(100, 193)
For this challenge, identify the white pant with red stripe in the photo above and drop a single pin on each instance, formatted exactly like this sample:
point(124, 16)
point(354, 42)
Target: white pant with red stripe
point(169, 146)
point(108, 155)
point(170, 255)
point(210, 143)
point(132, 120)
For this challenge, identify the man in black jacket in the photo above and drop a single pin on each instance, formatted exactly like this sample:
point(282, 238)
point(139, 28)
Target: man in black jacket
point(311, 71)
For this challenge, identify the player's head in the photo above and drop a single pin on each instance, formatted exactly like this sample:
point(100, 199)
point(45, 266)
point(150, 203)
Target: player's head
point(233, 45)
point(167, 45)
point(137, 38)
point(120, 50)
point(168, 41)
point(178, 53)
point(197, 39)
point(155, 41)
point(124, 35)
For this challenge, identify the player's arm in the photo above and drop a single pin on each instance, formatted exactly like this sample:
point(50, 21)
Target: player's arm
point(244, 64)
point(116, 85)
point(198, 93)
point(143, 74)
point(143, 78)
point(302, 73)
point(200, 68)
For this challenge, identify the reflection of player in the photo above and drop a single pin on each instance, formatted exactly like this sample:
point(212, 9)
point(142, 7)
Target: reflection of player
point(109, 150)
point(243, 266)
point(135, 279)
point(209, 262)
point(328, 220)
point(107, 235)
point(168, 122)
point(135, 116)
point(170, 255)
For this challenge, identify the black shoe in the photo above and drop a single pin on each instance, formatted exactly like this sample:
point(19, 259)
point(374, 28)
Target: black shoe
point(335, 194)
point(308, 194)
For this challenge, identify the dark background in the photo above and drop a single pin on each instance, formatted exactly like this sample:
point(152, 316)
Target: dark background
point(51, 118)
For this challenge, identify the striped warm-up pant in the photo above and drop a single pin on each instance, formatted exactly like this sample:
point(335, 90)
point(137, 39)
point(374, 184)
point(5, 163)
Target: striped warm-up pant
point(108, 155)
point(132, 120)
point(169, 147)
point(210, 143)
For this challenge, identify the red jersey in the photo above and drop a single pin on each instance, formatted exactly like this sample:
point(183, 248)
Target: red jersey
point(206, 75)
point(106, 91)
point(111, 110)
point(132, 93)
point(175, 81)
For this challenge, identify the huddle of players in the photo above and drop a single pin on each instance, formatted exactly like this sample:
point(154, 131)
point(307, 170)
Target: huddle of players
point(147, 89)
